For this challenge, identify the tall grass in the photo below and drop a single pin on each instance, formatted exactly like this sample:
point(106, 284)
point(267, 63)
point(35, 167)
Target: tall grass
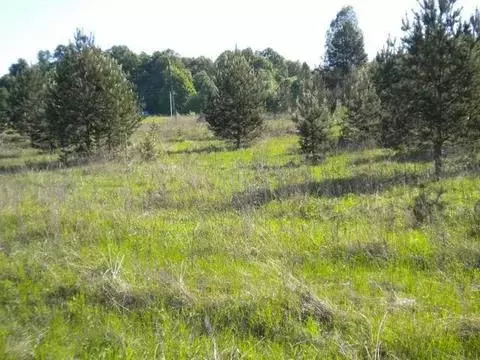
point(206, 252)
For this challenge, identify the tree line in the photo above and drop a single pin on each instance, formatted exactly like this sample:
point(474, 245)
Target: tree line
point(422, 90)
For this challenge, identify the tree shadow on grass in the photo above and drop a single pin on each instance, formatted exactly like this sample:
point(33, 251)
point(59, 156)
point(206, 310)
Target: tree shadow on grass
point(361, 184)
point(43, 166)
point(181, 140)
point(421, 157)
point(268, 167)
point(9, 156)
point(330, 188)
point(202, 150)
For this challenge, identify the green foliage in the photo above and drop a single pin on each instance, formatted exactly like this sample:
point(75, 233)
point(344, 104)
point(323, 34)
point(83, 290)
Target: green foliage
point(199, 64)
point(388, 69)
point(27, 105)
point(280, 99)
point(297, 84)
point(92, 105)
point(18, 68)
point(438, 80)
point(155, 76)
point(4, 108)
point(345, 44)
point(183, 87)
point(159, 74)
point(314, 121)
point(147, 148)
point(256, 60)
point(339, 122)
point(364, 110)
point(234, 113)
point(151, 80)
point(205, 88)
point(278, 62)
point(344, 51)
point(294, 68)
point(270, 86)
point(273, 71)
point(472, 133)
point(129, 61)
point(45, 61)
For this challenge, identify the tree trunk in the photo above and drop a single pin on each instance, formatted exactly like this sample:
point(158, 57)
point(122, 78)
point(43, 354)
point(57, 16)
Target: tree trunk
point(438, 158)
point(238, 141)
point(88, 134)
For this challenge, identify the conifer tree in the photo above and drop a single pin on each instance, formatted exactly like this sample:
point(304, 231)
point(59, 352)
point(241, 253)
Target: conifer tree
point(388, 71)
point(364, 110)
point(438, 80)
point(92, 105)
point(235, 112)
point(3, 108)
point(472, 130)
point(314, 121)
point(27, 105)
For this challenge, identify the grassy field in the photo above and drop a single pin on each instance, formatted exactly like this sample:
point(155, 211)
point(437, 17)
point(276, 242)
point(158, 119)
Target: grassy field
point(209, 253)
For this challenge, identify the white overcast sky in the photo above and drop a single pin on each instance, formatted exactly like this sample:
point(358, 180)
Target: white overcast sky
point(294, 28)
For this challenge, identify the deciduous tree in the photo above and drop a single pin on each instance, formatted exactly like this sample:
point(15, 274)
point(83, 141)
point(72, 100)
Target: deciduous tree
point(345, 51)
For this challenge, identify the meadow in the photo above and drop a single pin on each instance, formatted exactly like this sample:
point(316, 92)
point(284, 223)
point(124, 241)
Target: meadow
point(204, 252)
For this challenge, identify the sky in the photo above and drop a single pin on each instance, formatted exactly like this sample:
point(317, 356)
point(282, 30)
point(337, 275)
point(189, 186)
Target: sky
point(294, 28)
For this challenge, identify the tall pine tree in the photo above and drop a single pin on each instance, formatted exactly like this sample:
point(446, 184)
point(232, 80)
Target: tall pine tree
point(473, 129)
point(438, 80)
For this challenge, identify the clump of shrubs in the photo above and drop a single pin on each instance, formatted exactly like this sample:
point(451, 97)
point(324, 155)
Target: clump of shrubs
point(476, 220)
point(146, 148)
point(428, 205)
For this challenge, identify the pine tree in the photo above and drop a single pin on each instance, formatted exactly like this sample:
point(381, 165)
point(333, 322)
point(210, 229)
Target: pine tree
point(27, 105)
point(235, 112)
point(472, 131)
point(4, 117)
point(92, 105)
point(439, 80)
point(314, 121)
point(388, 71)
point(364, 110)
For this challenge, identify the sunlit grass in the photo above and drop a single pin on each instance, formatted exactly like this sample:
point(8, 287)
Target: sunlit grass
point(244, 254)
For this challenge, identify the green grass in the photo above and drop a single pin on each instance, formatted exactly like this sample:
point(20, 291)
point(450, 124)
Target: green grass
point(206, 252)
